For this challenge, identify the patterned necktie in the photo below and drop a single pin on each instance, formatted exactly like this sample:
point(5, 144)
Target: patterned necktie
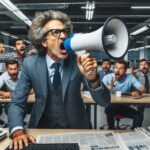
point(146, 83)
point(57, 78)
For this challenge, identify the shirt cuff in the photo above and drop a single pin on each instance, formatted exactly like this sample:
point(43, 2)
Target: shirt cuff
point(15, 129)
point(98, 88)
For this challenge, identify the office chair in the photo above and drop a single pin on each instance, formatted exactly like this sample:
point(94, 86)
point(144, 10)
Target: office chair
point(118, 117)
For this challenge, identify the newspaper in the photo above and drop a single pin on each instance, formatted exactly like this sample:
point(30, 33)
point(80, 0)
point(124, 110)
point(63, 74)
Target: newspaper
point(103, 140)
point(3, 134)
point(138, 140)
point(106, 140)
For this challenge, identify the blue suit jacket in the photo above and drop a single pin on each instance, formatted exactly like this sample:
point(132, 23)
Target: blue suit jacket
point(34, 75)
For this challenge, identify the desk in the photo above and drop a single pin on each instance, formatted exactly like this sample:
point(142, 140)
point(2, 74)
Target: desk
point(31, 99)
point(4, 143)
point(88, 101)
point(144, 99)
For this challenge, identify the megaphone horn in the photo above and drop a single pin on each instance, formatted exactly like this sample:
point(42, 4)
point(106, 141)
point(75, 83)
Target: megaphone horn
point(113, 38)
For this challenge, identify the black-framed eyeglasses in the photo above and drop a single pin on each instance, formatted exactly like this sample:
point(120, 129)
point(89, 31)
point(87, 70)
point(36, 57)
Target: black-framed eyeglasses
point(57, 32)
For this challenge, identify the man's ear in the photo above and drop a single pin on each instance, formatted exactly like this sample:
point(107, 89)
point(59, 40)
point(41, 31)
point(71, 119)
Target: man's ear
point(44, 43)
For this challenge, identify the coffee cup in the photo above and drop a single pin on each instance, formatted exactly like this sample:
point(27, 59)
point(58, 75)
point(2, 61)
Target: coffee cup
point(118, 93)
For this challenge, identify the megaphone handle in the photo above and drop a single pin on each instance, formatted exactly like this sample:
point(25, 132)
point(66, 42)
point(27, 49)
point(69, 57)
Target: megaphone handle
point(81, 53)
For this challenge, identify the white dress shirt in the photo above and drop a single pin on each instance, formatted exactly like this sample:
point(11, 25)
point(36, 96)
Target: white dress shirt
point(5, 79)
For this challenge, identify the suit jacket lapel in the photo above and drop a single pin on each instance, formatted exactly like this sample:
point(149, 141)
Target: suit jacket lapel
point(67, 69)
point(42, 74)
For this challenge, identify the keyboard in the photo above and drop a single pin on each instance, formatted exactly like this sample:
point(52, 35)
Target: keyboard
point(53, 146)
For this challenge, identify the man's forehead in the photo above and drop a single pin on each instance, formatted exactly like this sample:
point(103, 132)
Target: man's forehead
point(106, 62)
point(19, 41)
point(12, 65)
point(54, 24)
point(119, 64)
point(144, 62)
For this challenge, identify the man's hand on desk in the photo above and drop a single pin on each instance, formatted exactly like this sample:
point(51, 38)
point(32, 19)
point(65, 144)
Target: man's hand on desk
point(20, 139)
point(137, 93)
point(5, 94)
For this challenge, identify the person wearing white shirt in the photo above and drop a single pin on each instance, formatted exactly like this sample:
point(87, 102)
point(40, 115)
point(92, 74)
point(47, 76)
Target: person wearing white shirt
point(2, 52)
point(9, 78)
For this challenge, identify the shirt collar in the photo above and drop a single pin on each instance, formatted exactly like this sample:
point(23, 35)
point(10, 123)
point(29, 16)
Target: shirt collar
point(50, 61)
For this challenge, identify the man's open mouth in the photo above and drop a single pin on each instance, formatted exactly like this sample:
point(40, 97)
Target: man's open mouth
point(62, 46)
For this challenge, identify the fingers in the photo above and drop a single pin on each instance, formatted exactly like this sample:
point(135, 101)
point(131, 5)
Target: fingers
point(7, 95)
point(15, 145)
point(79, 59)
point(21, 141)
point(32, 139)
point(11, 144)
point(88, 63)
point(135, 94)
point(26, 141)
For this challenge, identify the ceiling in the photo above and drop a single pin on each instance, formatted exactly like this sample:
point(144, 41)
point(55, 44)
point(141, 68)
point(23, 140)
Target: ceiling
point(134, 19)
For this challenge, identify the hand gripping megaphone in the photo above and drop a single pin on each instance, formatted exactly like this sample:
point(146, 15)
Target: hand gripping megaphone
point(113, 38)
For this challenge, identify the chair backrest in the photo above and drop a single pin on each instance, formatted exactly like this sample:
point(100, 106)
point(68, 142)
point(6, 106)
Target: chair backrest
point(119, 116)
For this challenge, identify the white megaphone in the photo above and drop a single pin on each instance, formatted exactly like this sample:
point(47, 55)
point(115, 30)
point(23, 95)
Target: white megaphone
point(113, 38)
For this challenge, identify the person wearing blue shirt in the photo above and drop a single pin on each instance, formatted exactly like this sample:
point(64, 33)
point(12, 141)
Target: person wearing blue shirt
point(120, 81)
point(2, 52)
point(106, 65)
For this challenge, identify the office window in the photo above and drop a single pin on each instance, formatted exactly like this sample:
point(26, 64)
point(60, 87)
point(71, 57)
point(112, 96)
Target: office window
point(133, 55)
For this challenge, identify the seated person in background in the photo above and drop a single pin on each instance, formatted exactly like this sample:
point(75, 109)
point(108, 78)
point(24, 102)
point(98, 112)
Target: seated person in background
point(120, 81)
point(2, 69)
point(19, 47)
point(2, 48)
point(56, 77)
point(106, 65)
point(2, 64)
point(18, 54)
point(143, 75)
point(9, 78)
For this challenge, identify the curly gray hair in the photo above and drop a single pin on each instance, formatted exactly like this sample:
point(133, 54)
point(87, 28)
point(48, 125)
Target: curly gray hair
point(37, 32)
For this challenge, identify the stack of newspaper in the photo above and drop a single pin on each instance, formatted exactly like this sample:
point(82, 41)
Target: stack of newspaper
point(102, 140)
point(3, 134)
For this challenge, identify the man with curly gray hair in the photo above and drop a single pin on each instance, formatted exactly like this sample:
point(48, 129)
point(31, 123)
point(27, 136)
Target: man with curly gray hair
point(56, 76)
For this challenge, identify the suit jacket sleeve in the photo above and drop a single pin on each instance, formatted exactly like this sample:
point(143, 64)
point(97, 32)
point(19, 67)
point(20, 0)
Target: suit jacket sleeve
point(101, 94)
point(16, 109)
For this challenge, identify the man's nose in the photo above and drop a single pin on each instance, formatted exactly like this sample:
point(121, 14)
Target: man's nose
point(62, 35)
point(13, 71)
point(22, 45)
point(117, 70)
